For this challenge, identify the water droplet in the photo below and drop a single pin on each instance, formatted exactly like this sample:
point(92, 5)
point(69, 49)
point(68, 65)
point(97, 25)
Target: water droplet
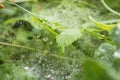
point(117, 54)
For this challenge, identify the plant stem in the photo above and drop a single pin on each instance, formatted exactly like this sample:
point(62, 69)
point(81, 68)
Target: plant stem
point(18, 46)
point(110, 9)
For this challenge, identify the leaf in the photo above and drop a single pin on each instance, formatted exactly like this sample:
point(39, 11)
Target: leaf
point(115, 35)
point(67, 37)
point(93, 70)
point(105, 53)
point(44, 23)
point(12, 20)
point(103, 26)
point(105, 49)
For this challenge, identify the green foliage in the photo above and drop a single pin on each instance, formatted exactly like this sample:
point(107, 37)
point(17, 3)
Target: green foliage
point(115, 34)
point(105, 53)
point(93, 70)
point(67, 37)
point(11, 72)
point(33, 33)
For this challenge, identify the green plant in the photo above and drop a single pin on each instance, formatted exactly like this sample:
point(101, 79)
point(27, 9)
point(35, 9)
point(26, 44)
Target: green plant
point(57, 40)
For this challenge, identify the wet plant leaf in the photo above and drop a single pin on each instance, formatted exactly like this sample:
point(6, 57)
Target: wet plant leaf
point(67, 37)
point(115, 34)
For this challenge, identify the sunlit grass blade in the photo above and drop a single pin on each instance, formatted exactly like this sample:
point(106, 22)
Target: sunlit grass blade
point(103, 26)
point(45, 26)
